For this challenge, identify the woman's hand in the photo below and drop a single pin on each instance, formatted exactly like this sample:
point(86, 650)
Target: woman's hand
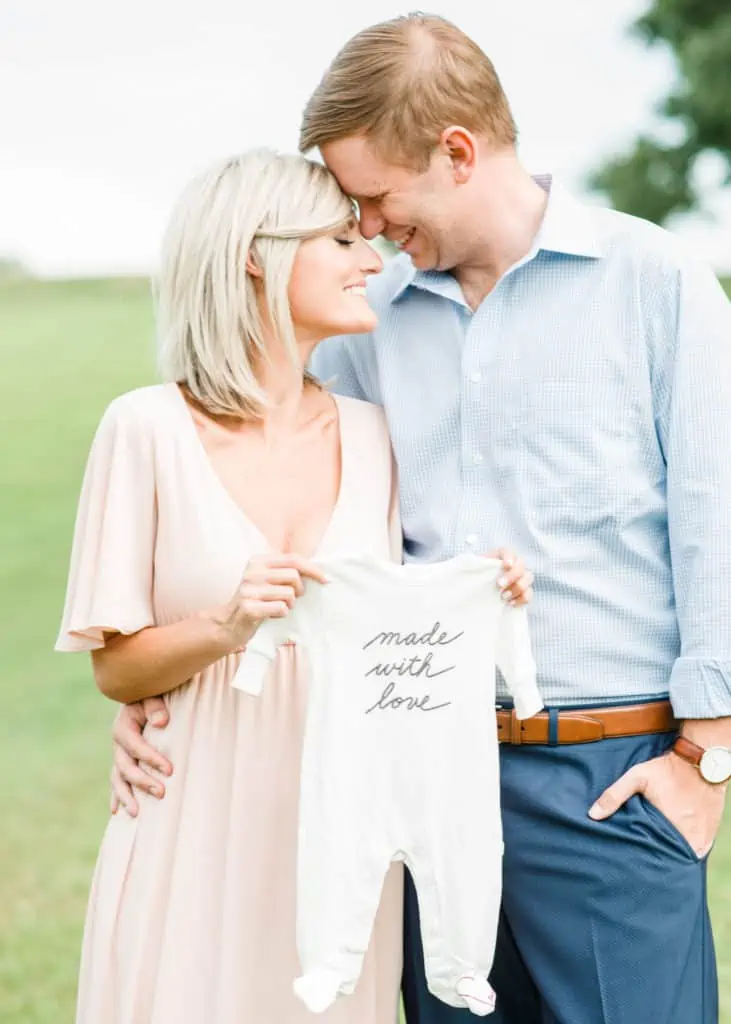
point(268, 590)
point(516, 581)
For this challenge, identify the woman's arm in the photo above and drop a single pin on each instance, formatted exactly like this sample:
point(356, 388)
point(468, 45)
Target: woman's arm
point(160, 658)
point(157, 659)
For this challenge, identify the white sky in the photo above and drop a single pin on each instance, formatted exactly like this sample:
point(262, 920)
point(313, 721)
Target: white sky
point(107, 110)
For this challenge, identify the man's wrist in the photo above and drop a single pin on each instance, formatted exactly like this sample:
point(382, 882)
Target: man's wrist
point(706, 745)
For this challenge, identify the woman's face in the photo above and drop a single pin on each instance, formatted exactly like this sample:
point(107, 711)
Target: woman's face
point(327, 286)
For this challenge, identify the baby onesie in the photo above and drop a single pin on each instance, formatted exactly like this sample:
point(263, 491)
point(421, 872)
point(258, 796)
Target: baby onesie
point(400, 761)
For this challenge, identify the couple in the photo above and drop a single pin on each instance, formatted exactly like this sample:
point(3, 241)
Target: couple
point(551, 377)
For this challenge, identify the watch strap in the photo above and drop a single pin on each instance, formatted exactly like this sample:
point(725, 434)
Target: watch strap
point(688, 750)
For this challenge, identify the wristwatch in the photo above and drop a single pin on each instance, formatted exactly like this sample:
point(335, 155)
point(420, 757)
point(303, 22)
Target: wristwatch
point(714, 764)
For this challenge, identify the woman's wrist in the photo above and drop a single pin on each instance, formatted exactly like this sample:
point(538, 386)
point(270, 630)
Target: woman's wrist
point(219, 628)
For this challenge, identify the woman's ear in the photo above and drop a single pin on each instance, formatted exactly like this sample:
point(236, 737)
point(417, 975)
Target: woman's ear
point(252, 267)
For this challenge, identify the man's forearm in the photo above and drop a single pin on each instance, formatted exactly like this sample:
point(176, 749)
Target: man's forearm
point(708, 732)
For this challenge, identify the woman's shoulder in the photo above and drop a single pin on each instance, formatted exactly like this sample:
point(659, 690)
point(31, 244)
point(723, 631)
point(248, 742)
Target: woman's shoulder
point(142, 401)
point(135, 419)
point(144, 408)
point(369, 415)
point(364, 430)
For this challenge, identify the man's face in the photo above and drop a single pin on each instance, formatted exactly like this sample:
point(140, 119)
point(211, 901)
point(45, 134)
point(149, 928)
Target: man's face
point(413, 209)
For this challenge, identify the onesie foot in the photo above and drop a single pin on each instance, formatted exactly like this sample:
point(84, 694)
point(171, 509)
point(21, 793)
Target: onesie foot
point(318, 990)
point(477, 994)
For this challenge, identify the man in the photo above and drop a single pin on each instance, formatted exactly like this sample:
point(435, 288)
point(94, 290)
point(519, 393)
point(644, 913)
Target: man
point(557, 377)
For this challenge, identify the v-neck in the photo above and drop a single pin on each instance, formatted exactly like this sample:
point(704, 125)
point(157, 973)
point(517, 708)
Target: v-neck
point(228, 498)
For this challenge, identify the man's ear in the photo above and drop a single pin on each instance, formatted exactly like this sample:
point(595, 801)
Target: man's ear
point(460, 145)
point(252, 267)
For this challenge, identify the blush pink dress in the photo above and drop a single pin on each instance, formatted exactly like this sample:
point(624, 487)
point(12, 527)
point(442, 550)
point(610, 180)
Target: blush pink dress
point(191, 917)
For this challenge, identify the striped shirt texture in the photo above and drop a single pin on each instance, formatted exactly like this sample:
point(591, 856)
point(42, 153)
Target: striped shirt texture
point(582, 416)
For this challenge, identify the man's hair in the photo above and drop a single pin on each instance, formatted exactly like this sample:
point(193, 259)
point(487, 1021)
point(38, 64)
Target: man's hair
point(401, 83)
point(209, 320)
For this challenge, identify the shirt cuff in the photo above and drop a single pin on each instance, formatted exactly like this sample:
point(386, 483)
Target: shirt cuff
point(700, 688)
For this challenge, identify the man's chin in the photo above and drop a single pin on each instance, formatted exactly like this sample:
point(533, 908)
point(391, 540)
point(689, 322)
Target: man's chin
point(423, 261)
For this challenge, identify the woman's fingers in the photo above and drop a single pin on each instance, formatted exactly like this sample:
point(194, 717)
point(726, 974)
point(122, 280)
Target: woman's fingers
point(267, 575)
point(265, 592)
point(304, 566)
point(308, 568)
point(259, 610)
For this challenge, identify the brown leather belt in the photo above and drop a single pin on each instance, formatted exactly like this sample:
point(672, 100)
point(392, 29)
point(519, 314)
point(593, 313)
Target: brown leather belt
point(586, 725)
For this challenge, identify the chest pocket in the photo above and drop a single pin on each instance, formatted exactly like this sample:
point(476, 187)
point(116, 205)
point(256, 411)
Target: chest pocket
point(580, 415)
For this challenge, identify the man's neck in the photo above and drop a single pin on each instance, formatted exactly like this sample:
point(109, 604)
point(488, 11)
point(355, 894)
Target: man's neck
point(504, 227)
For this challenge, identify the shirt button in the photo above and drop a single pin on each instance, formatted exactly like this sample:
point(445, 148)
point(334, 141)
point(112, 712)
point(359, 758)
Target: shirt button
point(475, 377)
point(477, 458)
point(471, 540)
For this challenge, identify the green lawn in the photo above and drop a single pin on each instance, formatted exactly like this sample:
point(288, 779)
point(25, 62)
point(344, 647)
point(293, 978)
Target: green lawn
point(66, 350)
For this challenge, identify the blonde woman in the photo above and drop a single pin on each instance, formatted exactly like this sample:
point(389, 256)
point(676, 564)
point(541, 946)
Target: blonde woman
point(206, 501)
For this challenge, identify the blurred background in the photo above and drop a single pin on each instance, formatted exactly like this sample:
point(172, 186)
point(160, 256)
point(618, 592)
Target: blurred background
point(105, 112)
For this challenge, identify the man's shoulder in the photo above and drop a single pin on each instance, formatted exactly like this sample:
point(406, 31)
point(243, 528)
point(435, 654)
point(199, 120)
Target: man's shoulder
point(642, 245)
point(384, 288)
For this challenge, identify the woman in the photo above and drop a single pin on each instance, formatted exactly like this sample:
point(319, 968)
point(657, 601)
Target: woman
point(206, 502)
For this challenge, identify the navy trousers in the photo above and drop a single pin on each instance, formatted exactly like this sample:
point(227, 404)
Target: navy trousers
point(602, 922)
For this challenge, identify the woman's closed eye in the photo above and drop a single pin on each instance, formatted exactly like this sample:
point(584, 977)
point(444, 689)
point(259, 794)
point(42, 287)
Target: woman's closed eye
point(345, 241)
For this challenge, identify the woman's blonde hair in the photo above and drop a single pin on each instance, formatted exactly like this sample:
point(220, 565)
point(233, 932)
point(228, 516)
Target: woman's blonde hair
point(401, 83)
point(210, 326)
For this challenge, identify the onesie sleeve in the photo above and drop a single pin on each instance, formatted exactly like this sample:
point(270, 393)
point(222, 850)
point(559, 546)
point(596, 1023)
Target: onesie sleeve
point(261, 651)
point(515, 661)
point(110, 580)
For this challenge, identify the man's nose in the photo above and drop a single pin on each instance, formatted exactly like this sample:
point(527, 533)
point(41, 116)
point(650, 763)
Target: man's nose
point(371, 221)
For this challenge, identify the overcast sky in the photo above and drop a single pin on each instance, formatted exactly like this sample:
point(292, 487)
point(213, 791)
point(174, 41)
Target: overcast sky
point(107, 110)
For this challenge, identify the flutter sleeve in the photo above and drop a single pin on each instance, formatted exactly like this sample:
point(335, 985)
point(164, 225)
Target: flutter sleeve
point(110, 579)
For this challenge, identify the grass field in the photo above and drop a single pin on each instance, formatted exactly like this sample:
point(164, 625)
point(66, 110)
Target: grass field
point(66, 350)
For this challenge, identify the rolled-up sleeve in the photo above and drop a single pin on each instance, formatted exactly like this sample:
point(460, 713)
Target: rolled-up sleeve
point(694, 426)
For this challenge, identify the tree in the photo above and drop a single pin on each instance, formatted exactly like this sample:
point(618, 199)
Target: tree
point(655, 180)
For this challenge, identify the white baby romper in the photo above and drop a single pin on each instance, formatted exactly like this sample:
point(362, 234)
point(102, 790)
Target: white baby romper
point(400, 762)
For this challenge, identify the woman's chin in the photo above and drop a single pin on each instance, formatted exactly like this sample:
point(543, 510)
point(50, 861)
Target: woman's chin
point(356, 325)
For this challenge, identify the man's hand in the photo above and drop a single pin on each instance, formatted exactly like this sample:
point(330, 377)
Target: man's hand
point(132, 753)
point(694, 807)
point(516, 582)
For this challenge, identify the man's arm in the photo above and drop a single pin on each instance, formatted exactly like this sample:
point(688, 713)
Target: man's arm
point(694, 425)
point(133, 756)
point(692, 392)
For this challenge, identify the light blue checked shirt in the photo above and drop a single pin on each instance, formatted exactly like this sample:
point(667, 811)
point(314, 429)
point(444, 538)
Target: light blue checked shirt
point(581, 415)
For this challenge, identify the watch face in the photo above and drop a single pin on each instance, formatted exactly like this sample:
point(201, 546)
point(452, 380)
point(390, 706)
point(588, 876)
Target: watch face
point(715, 764)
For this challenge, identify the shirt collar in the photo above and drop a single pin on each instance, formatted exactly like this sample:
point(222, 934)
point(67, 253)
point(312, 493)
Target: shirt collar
point(568, 227)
